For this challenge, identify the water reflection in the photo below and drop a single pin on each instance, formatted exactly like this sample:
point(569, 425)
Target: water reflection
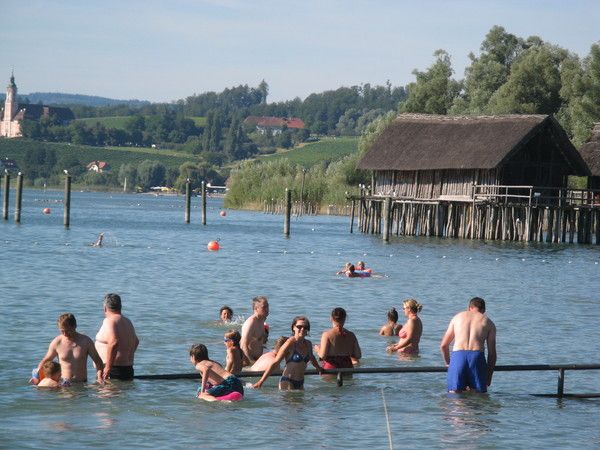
point(471, 417)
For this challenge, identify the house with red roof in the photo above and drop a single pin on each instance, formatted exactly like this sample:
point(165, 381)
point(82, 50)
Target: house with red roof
point(275, 125)
point(98, 167)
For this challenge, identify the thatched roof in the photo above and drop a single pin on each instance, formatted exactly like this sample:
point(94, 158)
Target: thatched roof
point(429, 142)
point(590, 151)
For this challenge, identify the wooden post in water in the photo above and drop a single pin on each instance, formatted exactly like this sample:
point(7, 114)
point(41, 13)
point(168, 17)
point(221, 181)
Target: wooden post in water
point(561, 383)
point(67, 201)
point(6, 195)
point(18, 198)
point(288, 210)
point(187, 200)
point(352, 216)
point(387, 203)
point(302, 192)
point(203, 203)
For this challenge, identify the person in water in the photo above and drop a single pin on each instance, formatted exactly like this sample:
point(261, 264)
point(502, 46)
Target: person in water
point(297, 352)
point(470, 330)
point(216, 381)
point(116, 341)
point(53, 374)
point(253, 331)
point(391, 328)
point(225, 314)
point(268, 357)
point(339, 347)
point(410, 334)
point(233, 359)
point(72, 349)
point(344, 269)
point(98, 242)
point(360, 265)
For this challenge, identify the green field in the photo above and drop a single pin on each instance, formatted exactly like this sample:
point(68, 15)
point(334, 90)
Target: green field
point(115, 156)
point(119, 122)
point(326, 149)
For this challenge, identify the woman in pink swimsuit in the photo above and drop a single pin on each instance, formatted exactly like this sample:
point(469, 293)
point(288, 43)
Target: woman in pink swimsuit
point(410, 333)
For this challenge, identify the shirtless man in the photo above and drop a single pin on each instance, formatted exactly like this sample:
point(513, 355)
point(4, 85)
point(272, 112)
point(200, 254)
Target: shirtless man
point(116, 341)
point(72, 349)
point(253, 331)
point(470, 330)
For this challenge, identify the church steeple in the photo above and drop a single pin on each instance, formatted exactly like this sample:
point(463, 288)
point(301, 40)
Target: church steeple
point(10, 104)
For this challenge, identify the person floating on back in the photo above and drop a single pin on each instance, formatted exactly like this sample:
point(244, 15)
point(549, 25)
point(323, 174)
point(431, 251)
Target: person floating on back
point(470, 330)
point(72, 349)
point(216, 381)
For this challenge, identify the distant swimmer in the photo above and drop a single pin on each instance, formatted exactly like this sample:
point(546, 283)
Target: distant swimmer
point(98, 242)
point(225, 314)
point(467, 367)
point(344, 269)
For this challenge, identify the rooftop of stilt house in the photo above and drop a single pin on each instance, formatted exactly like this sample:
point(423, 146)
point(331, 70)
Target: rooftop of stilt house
point(590, 151)
point(433, 142)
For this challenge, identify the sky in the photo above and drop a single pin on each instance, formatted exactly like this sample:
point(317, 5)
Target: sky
point(163, 51)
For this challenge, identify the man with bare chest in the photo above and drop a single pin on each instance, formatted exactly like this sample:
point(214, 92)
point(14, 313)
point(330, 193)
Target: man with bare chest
point(116, 341)
point(72, 349)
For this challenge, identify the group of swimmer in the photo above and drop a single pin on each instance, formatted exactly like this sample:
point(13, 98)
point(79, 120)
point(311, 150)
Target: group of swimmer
point(116, 342)
point(358, 270)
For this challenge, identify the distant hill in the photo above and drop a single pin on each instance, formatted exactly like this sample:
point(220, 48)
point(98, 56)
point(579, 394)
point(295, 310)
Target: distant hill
point(55, 98)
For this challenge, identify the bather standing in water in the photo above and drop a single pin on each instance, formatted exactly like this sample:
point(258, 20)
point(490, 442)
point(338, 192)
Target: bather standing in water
point(410, 334)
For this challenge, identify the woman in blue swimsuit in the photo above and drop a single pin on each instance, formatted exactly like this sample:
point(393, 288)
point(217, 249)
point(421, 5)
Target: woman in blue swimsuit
point(297, 352)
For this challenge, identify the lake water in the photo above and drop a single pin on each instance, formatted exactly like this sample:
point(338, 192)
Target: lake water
point(544, 299)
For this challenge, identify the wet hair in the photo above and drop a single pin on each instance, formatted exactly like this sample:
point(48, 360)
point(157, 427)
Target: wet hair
point(298, 318)
point(258, 300)
point(279, 342)
point(361, 263)
point(51, 368)
point(66, 320)
point(392, 315)
point(226, 308)
point(479, 303)
point(235, 336)
point(113, 302)
point(199, 352)
point(339, 314)
point(413, 305)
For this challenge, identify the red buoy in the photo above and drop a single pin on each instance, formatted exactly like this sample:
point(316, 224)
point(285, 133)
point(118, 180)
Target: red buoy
point(46, 211)
point(213, 246)
point(223, 213)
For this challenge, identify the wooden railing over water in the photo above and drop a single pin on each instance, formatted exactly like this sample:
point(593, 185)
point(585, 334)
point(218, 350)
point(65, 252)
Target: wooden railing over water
point(339, 373)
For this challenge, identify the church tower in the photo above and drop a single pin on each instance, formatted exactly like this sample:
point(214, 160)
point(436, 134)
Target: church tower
point(10, 105)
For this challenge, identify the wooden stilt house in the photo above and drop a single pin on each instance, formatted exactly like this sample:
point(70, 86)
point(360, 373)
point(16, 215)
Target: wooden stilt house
point(590, 151)
point(488, 177)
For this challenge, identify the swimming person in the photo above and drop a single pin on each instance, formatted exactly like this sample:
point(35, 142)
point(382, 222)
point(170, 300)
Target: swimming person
point(297, 352)
point(267, 358)
point(470, 330)
point(98, 242)
point(216, 381)
point(225, 314)
point(72, 349)
point(116, 341)
point(391, 328)
point(344, 269)
point(233, 359)
point(410, 334)
point(253, 331)
point(53, 375)
point(339, 347)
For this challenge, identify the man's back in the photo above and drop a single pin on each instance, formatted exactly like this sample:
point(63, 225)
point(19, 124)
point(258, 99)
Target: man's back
point(471, 329)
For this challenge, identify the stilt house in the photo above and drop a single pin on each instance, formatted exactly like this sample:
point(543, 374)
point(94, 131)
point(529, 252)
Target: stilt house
point(441, 157)
point(590, 151)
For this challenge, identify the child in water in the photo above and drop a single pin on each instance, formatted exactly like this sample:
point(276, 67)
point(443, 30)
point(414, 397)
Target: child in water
point(233, 360)
point(360, 265)
point(52, 371)
point(225, 314)
point(216, 381)
point(344, 269)
point(391, 328)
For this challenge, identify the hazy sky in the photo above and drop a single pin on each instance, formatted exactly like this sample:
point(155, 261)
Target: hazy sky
point(167, 50)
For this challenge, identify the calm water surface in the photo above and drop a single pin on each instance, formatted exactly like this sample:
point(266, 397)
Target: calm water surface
point(544, 299)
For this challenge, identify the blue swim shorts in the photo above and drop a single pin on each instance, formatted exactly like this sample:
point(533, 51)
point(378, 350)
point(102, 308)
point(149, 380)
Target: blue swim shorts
point(227, 386)
point(468, 368)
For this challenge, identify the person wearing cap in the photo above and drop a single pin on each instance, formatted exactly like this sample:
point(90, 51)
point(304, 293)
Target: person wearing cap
point(253, 331)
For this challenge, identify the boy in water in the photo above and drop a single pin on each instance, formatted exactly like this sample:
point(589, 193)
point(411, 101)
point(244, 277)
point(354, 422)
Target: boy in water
point(216, 381)
point(53, 375)
point(233, 360)
point(72, 349)
point(225, 314)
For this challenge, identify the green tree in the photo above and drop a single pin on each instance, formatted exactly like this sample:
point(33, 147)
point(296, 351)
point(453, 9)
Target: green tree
point(128, 172)
point(435, 90)
point(150, 173)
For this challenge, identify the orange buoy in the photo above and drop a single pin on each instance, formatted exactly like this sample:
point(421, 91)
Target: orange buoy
point(223, 213)
point(46, 211)
point(213, 246)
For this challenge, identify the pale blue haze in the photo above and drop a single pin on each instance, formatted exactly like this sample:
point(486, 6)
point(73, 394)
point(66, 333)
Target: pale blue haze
point(163, 51)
